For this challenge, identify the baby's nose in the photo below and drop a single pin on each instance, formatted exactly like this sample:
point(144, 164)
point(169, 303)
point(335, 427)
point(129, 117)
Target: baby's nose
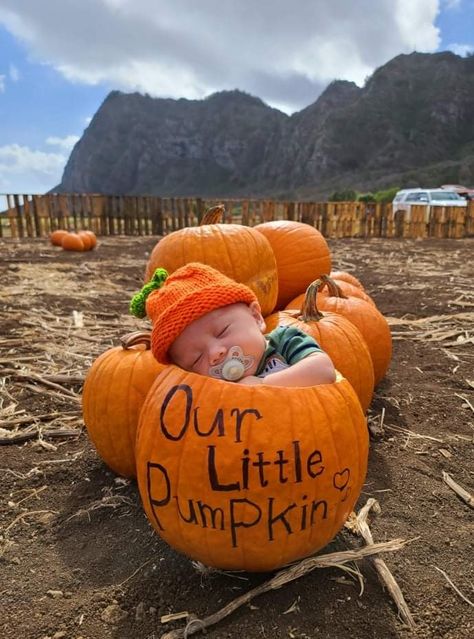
point(217, 354)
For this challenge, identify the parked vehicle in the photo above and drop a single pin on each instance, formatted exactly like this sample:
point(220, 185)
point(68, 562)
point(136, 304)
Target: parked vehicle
point(406, 198)
point(464, 191)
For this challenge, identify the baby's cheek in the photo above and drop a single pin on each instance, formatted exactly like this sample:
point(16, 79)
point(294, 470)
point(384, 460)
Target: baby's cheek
point(253, 369)
point(203, 368)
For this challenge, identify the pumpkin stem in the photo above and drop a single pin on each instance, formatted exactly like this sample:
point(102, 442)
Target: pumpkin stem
point(214, 215)
point(134, 338)
point(309, 308)
point(333, 289)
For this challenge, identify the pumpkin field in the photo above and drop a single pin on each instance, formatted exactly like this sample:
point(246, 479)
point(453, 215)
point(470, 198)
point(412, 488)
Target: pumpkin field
point(80, 556)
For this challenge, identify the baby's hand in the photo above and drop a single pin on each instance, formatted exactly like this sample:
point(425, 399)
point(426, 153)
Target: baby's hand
point(250, 380)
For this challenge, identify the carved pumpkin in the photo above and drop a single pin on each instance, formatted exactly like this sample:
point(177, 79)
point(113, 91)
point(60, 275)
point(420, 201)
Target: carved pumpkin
point(346, 277)
point(114, 391)
point(301, 253)
point(337, 336)
point(56, 237)
point(370, 322)
point(72, 242)
point(238, 251)
point(249, 477)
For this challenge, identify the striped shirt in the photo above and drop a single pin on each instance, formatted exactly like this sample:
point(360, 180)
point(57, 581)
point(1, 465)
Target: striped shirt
point(286, 345)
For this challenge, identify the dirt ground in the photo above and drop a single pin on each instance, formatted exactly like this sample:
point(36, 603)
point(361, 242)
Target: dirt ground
point(78, 558)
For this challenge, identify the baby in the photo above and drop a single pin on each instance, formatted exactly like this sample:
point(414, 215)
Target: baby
point(207, 323)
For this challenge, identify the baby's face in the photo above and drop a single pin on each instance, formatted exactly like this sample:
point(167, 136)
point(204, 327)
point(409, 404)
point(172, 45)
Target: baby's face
point(207, 340)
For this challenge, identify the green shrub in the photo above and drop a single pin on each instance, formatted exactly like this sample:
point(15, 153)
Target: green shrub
point(347, 195)
point(387, 195)
point(366, 197)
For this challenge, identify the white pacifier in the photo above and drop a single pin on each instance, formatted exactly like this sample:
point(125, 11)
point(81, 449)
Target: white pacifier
point(233, 367)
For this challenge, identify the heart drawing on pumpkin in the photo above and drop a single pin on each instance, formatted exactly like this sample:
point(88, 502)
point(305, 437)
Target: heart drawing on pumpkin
point(340, 480)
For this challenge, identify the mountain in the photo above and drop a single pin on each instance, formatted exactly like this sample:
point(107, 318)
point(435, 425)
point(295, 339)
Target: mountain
point(411, 124)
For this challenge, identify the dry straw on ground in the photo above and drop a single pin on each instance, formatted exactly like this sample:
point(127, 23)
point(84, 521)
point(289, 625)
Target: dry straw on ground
point(58, 318)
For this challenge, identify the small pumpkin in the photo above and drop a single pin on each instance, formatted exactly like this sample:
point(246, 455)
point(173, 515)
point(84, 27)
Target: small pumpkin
point(238, 251)
point(368, 319)
point(302, 255)
point(249, 477)
point(337, 336)
point(92, 236)
point(72, 242)
point(56, 237)
point(89, 239)
point(346, 277)
point(114, 391)
point(86, 240)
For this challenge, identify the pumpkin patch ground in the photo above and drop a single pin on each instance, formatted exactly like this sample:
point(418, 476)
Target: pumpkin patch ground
point(78, 557)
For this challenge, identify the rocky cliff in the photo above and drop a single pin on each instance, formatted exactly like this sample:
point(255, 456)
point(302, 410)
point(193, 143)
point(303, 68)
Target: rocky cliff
point(411, 124)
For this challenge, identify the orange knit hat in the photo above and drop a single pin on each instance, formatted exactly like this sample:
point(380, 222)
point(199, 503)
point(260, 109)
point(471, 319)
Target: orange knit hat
point(186, 295)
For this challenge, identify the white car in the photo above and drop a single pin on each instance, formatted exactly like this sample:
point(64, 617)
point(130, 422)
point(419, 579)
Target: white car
point(405, 198)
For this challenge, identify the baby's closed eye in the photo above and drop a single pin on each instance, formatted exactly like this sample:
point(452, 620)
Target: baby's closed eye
point(196, 361)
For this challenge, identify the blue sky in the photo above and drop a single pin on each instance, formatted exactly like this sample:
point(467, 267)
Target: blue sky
point(60, 58)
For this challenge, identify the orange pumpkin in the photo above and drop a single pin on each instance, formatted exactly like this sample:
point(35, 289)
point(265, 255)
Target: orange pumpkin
point(346, 277)
point(349, 290)
point(56, 237)
point(238, 251)
point(337, 336)
point(370, 322)
point(92, 236)
point(301, 254)
point(114, 391)
point(72, 242)
point(346, 288)
point(249, 477)
point(86, 240)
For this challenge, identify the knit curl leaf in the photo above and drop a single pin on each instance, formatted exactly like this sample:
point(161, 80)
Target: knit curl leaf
point(138, 302)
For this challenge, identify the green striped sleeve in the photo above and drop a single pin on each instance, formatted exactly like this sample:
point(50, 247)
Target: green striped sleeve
point(292, 344)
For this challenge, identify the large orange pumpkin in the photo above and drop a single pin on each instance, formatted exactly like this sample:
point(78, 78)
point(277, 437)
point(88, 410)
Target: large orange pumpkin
point(370, 322)
point(238, 251)
point(337, 336)
point(114, 391)
point(301, 253)
point(249, 477)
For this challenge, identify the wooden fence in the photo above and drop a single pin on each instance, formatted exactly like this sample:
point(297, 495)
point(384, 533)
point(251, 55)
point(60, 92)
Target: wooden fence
point(29, 216)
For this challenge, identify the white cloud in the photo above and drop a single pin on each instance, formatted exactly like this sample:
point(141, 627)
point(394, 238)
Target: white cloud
point(2, 84)
point(65, 143)
point(25, 170)
point(283, 52)
point(416, 21)
point(461, 49)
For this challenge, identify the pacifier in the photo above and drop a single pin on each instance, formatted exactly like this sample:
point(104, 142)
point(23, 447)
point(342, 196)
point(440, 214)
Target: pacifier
point(234, 365)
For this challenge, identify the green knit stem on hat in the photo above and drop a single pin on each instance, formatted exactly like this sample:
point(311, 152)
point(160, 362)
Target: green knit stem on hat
point(138, 302)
